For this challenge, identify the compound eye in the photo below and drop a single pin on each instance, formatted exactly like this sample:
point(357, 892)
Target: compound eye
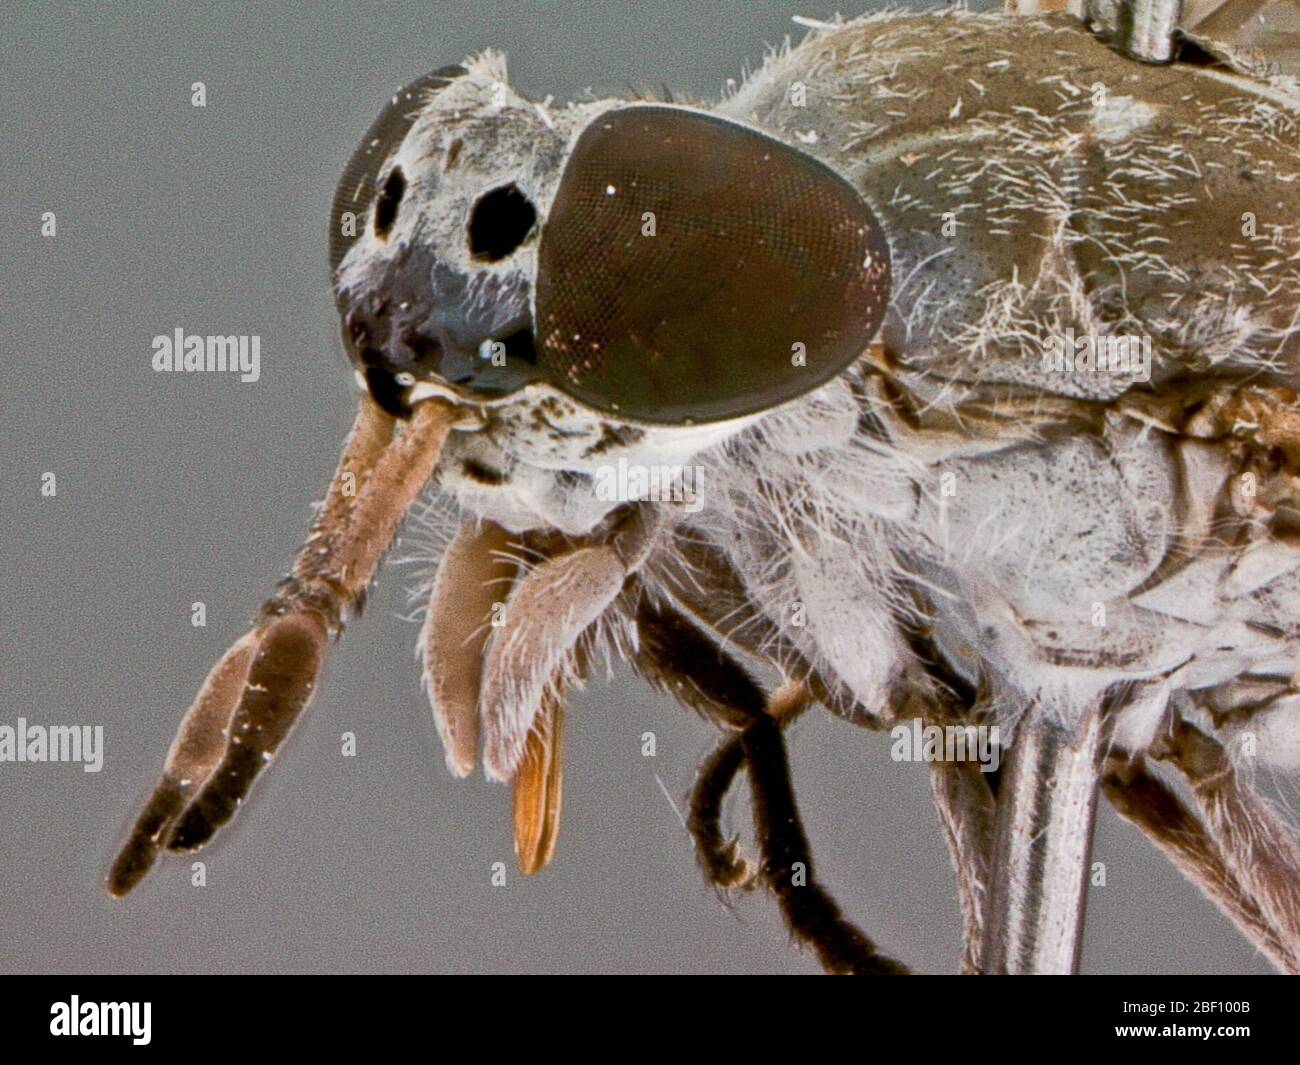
point(692, 269)
point(357, 189)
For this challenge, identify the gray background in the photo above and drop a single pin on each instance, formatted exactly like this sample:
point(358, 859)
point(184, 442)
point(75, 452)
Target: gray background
point(177, 488)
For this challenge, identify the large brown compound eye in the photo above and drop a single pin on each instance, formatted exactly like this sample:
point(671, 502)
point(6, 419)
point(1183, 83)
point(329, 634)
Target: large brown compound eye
point(358, 186)
point(692, 269)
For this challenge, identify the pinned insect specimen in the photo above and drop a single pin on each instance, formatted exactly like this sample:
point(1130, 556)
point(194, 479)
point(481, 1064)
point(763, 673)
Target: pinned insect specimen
point(985, 335)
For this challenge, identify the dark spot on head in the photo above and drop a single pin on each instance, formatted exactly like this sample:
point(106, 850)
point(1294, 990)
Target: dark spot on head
point(390, 198)
point(453, 154)
point(499, 223)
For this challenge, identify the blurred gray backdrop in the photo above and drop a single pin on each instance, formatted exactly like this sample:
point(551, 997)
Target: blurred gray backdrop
point(173, 489)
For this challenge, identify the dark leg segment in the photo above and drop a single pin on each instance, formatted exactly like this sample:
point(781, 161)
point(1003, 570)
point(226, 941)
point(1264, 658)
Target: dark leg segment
point(678, 657)
point(719, 857)
point(809, 910)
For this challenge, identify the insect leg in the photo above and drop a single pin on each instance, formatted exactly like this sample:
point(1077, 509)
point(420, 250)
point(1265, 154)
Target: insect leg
point(965, 807)
point(719, 858)
point(474, 577)
point(963, 798)
point(675, 655)
point(713, 693)
point(256, 692)
point(549, 609)
point(809, 910)
point(1261, 851)
point(1148, 803)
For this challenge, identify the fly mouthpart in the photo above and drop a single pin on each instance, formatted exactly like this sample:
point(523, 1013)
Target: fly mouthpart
point(469, 414)
point(407, 392)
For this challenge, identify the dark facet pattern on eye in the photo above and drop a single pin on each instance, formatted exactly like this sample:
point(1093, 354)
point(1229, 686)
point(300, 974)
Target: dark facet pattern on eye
point(356, 188)
point(756, 247)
